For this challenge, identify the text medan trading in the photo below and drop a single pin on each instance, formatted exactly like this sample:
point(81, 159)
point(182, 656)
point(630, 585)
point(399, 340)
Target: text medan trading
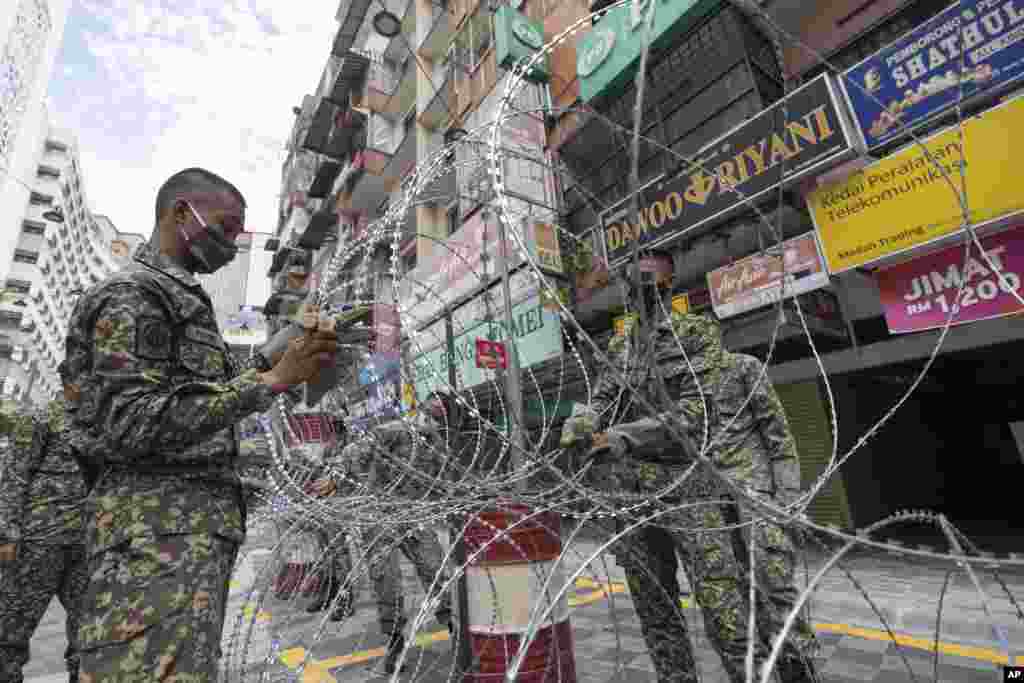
point(942, 48)
point(986, 286)
point(728, 176)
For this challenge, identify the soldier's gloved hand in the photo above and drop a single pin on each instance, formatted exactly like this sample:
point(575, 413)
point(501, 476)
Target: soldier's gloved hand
point(8, 552)
point(578, 430)
point(276, 345)
point(305, 356)
point(322, 488)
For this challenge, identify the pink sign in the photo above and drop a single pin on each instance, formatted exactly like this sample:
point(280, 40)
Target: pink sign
point(919, 295)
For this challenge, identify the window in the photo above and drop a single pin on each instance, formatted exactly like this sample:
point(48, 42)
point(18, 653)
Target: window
point(54, 146)
point(19, 286)
point(474, 40)
point(33, 227)
point(22, 256)
point(10, 320)
point(47, 172)
point(37, 198)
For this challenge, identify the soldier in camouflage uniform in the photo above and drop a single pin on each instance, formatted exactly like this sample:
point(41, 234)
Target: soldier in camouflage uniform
point(757, 452)
point(339, 591)
point(160, 396)
point(41, 539)
point(400, 464)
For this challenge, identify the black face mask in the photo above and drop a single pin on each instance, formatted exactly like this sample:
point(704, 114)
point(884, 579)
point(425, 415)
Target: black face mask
point(209, 249)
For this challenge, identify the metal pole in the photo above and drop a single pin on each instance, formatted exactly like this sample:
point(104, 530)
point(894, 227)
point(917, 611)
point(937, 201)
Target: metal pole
point(513, 388)
point(464, 655)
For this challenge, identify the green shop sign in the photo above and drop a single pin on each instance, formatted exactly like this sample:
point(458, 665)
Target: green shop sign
point(538, 337)
point(607, 56)
point(517, 38)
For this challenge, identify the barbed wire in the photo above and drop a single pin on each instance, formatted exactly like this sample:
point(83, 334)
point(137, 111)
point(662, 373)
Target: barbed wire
point(450, 484)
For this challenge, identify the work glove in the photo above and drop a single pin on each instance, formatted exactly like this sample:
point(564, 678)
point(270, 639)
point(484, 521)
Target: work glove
point(578, 430)
point(353, 337)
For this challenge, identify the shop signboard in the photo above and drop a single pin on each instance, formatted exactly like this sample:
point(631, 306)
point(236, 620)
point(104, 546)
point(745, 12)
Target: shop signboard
point(904, 201)
point(589, 265)
point(624, 323)
point(758, 280)
point(919, 294)
point(608, 55)
point(456, 268)
point(739, 167)
point(516, 39)
point(973, 47)
point(681, 303)
point(538, 337)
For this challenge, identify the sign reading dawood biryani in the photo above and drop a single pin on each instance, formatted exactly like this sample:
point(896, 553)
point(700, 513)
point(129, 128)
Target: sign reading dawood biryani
point(913, 197)
point(973, 47)
point(743, 165)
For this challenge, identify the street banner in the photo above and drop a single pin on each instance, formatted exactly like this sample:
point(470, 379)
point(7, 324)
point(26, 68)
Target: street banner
point(919, 294)
point(757, 281)
point(971, 48)
point(904, 201)
point(739, 167)
point(537, 335)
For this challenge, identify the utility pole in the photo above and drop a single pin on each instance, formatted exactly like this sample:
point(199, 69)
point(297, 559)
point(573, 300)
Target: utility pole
point(513, 387)
point(464, 654)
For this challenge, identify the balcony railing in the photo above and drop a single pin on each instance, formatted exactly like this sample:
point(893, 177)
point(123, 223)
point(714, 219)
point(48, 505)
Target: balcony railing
point(439, 34)
point(437, 113)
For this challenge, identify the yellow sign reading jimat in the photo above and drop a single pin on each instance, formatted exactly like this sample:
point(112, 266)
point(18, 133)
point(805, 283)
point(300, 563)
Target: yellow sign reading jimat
point(903, 201)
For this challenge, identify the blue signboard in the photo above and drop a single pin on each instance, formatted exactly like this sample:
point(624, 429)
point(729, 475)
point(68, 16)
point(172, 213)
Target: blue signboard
point(973, 47)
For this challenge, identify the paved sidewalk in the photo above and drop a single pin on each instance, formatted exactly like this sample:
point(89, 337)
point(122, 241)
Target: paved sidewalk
point(608, 643)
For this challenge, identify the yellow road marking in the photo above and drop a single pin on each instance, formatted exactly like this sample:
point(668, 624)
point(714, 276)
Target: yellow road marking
point(928, 644)
point(319, 671)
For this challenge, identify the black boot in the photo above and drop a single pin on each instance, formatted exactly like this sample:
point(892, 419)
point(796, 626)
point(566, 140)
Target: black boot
point(796, 670)
point(395, 647)
point(345, 607)
point(327, 596)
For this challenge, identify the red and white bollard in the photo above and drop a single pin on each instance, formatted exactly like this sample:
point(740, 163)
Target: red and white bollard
point(505, 583)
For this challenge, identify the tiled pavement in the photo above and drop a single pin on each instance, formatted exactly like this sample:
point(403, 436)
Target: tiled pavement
point(608, 644)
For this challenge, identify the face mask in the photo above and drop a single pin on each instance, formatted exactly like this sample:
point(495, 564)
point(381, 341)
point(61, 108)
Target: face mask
point(209, 248)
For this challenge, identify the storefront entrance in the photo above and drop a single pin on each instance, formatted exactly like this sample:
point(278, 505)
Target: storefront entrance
point(951, 448)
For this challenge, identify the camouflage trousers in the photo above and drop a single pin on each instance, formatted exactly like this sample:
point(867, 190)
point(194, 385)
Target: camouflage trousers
point(338, 558)
point(423, 550)
point(717, 564)
point(26, 589)
point(154, 610)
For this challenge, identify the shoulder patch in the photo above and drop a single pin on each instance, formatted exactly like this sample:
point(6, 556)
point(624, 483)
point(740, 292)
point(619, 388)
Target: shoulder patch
point(202, 335)
point(154, 339)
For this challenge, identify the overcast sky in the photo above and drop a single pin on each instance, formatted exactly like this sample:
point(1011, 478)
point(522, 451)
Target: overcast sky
point(152, 87)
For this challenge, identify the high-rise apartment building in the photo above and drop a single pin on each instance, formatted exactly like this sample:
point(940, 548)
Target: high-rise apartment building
point(31, 32)
point(62, 250)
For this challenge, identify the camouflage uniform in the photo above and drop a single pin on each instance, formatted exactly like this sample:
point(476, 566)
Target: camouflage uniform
point(395, 464)
point(160, 397)
point(334, 541)
point(40, 510)
point(757, 452)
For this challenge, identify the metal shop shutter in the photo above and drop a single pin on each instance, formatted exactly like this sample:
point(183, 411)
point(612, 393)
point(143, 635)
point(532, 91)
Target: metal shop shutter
point(807, 413)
